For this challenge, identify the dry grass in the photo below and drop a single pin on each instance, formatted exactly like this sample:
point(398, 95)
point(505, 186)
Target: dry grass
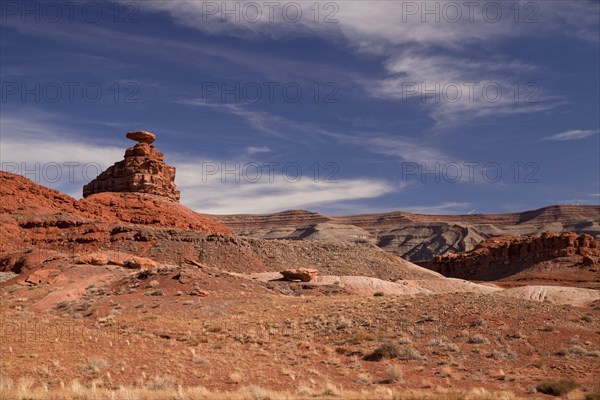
point(95, 364)
point(328, 391)
point(394, 373)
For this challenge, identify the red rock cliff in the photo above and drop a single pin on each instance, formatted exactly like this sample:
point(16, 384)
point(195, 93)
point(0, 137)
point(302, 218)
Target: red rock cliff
point(504, 255)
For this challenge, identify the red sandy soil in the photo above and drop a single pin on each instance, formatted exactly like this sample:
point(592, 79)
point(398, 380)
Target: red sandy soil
point(134, 290)
point(121, 327)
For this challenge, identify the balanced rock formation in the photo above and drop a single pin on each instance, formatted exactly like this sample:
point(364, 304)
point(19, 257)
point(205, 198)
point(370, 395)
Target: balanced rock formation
point(143, 171)
point(502, 256)
point(142, 136)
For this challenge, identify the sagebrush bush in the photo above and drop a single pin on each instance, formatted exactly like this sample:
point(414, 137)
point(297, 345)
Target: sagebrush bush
point(478, 339)
point(556, 387)
point(384, 352)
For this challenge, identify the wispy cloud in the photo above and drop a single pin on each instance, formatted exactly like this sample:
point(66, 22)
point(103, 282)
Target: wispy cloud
point(405, 147)
point(455, 87)
point(408, 49)
point(250, 150)
point(262, 121)
point(430, 51)
point(443, 208)
point(217, 195)
point(43, 148)
point(574, 134)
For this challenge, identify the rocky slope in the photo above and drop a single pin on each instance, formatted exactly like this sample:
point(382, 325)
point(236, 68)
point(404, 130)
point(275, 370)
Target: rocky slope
point(36, 222)
point(415, 237)
point(30, 213)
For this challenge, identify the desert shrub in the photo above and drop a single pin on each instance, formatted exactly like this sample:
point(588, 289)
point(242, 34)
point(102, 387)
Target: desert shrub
point(408, 353)
point(443, 344)
point(5, 383)
point(548, 328)
point(478, 339)
point(25, 384)
point(358, 336)
point(577, 350)
point(62, 305)
point(587, 318)
point(255, 393)
point(405, 340)
point(378, 294)
point(556, 387)
point(384, 352)
point(236, 377)
point(594, 353)
point(165, 382)
point(95, 364)
point(426, 318)
point(562, 352)
point(394, 373)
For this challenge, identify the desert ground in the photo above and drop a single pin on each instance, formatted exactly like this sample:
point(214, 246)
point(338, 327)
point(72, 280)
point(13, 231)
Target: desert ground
point(128, 294)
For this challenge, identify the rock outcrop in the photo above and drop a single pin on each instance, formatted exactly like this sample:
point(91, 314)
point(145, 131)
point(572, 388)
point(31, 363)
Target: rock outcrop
point(300, 274)
point(502, 256)
point(142, 171)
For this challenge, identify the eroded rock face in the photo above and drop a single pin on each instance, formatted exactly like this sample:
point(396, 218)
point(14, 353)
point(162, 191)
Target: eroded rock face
point(502, 256)
point(142, 171)
point(415, 237)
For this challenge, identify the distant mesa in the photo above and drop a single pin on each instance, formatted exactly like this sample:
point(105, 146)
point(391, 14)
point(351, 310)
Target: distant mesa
point(142, 171)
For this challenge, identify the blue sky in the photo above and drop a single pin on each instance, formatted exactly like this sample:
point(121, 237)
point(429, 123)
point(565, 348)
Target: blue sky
point(433, 107)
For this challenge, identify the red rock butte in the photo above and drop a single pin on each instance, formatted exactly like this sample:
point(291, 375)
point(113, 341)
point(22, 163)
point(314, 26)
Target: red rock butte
point(143, 170)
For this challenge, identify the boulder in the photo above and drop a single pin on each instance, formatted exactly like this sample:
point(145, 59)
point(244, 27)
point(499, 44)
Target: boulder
point(300, 274)
point(135, 262)
point(588, 261)
point(141, 136)
point(45, 276)
point(92, 259)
